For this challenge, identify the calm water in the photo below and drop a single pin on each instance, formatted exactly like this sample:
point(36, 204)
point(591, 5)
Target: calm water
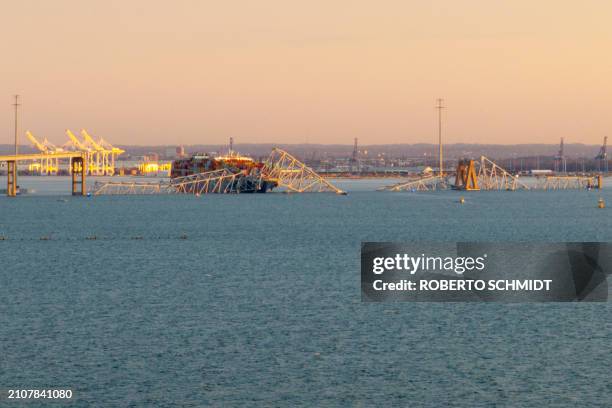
point(235, 314)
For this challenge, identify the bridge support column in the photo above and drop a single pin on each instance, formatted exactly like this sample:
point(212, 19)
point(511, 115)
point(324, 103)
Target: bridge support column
point(599, 182)
point(466, 178)
point(11, 178)
point(78, 170)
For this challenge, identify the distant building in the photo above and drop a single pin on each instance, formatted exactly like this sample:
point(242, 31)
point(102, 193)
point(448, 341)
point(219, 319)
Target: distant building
point(151, 157)
point(171, 153)
point(540, 172)
point(180, 151)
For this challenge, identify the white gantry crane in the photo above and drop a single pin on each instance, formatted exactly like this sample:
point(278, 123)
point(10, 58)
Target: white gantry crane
point(99, 162)
point(101, 155)
point(48, 165)
point(74, 144)
point(114, 153)
point(107, 153)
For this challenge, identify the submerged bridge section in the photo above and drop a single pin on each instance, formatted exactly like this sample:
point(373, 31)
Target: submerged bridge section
point(218, 181)
point(484, 174)
point(428, 183)
point(569, 182)
point(126, 187)
point(470, 175)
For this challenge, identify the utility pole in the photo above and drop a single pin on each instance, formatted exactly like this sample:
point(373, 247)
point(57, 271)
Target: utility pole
point(16, 105)
point(439, 107)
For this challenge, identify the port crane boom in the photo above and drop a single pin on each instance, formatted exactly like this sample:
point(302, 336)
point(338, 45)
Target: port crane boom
point(39, 146)
point(105, 154)
point(75, 144)
point(89, 139)
point(48, 164)
point(100, 155)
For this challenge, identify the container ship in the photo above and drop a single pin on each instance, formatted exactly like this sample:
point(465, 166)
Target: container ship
point(249, 177)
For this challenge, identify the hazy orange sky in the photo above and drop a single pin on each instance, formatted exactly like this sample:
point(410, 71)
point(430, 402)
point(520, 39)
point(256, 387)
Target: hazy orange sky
point(317, 71)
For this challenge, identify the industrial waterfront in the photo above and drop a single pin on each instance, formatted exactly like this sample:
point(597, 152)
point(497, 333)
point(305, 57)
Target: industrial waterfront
point(232, 172)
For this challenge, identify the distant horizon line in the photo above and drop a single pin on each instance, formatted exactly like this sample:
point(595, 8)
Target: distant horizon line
point(337, 144)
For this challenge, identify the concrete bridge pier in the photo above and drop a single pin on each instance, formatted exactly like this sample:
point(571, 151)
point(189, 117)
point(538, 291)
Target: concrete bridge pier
point(11, 178)
point(78, 169)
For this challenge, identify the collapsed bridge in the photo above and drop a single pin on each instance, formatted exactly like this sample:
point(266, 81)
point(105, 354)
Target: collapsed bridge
point(281, 170)
point(484, 174)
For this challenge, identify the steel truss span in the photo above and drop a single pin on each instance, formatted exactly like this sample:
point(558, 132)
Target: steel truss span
point(469, 175)
point(568, 182)
point(429, 183)
point(293, 175)
point(484, 174)
point(217, 181)
point(126, 188)
point(280, 170)
point(493, 177)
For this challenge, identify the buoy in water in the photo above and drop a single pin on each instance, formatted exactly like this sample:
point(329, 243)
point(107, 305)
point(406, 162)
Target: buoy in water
point(461, 200)
point(601, 203)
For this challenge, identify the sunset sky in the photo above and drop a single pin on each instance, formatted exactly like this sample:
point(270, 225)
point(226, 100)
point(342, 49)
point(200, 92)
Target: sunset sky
point(317, 71)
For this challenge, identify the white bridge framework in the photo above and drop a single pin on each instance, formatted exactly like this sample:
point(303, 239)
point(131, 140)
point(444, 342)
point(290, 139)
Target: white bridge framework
point(427, 183)
point(281, 170)
point(493, 177)
point(293, 175)
point(218, 181)
point(485, 174)
point(568, 182)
